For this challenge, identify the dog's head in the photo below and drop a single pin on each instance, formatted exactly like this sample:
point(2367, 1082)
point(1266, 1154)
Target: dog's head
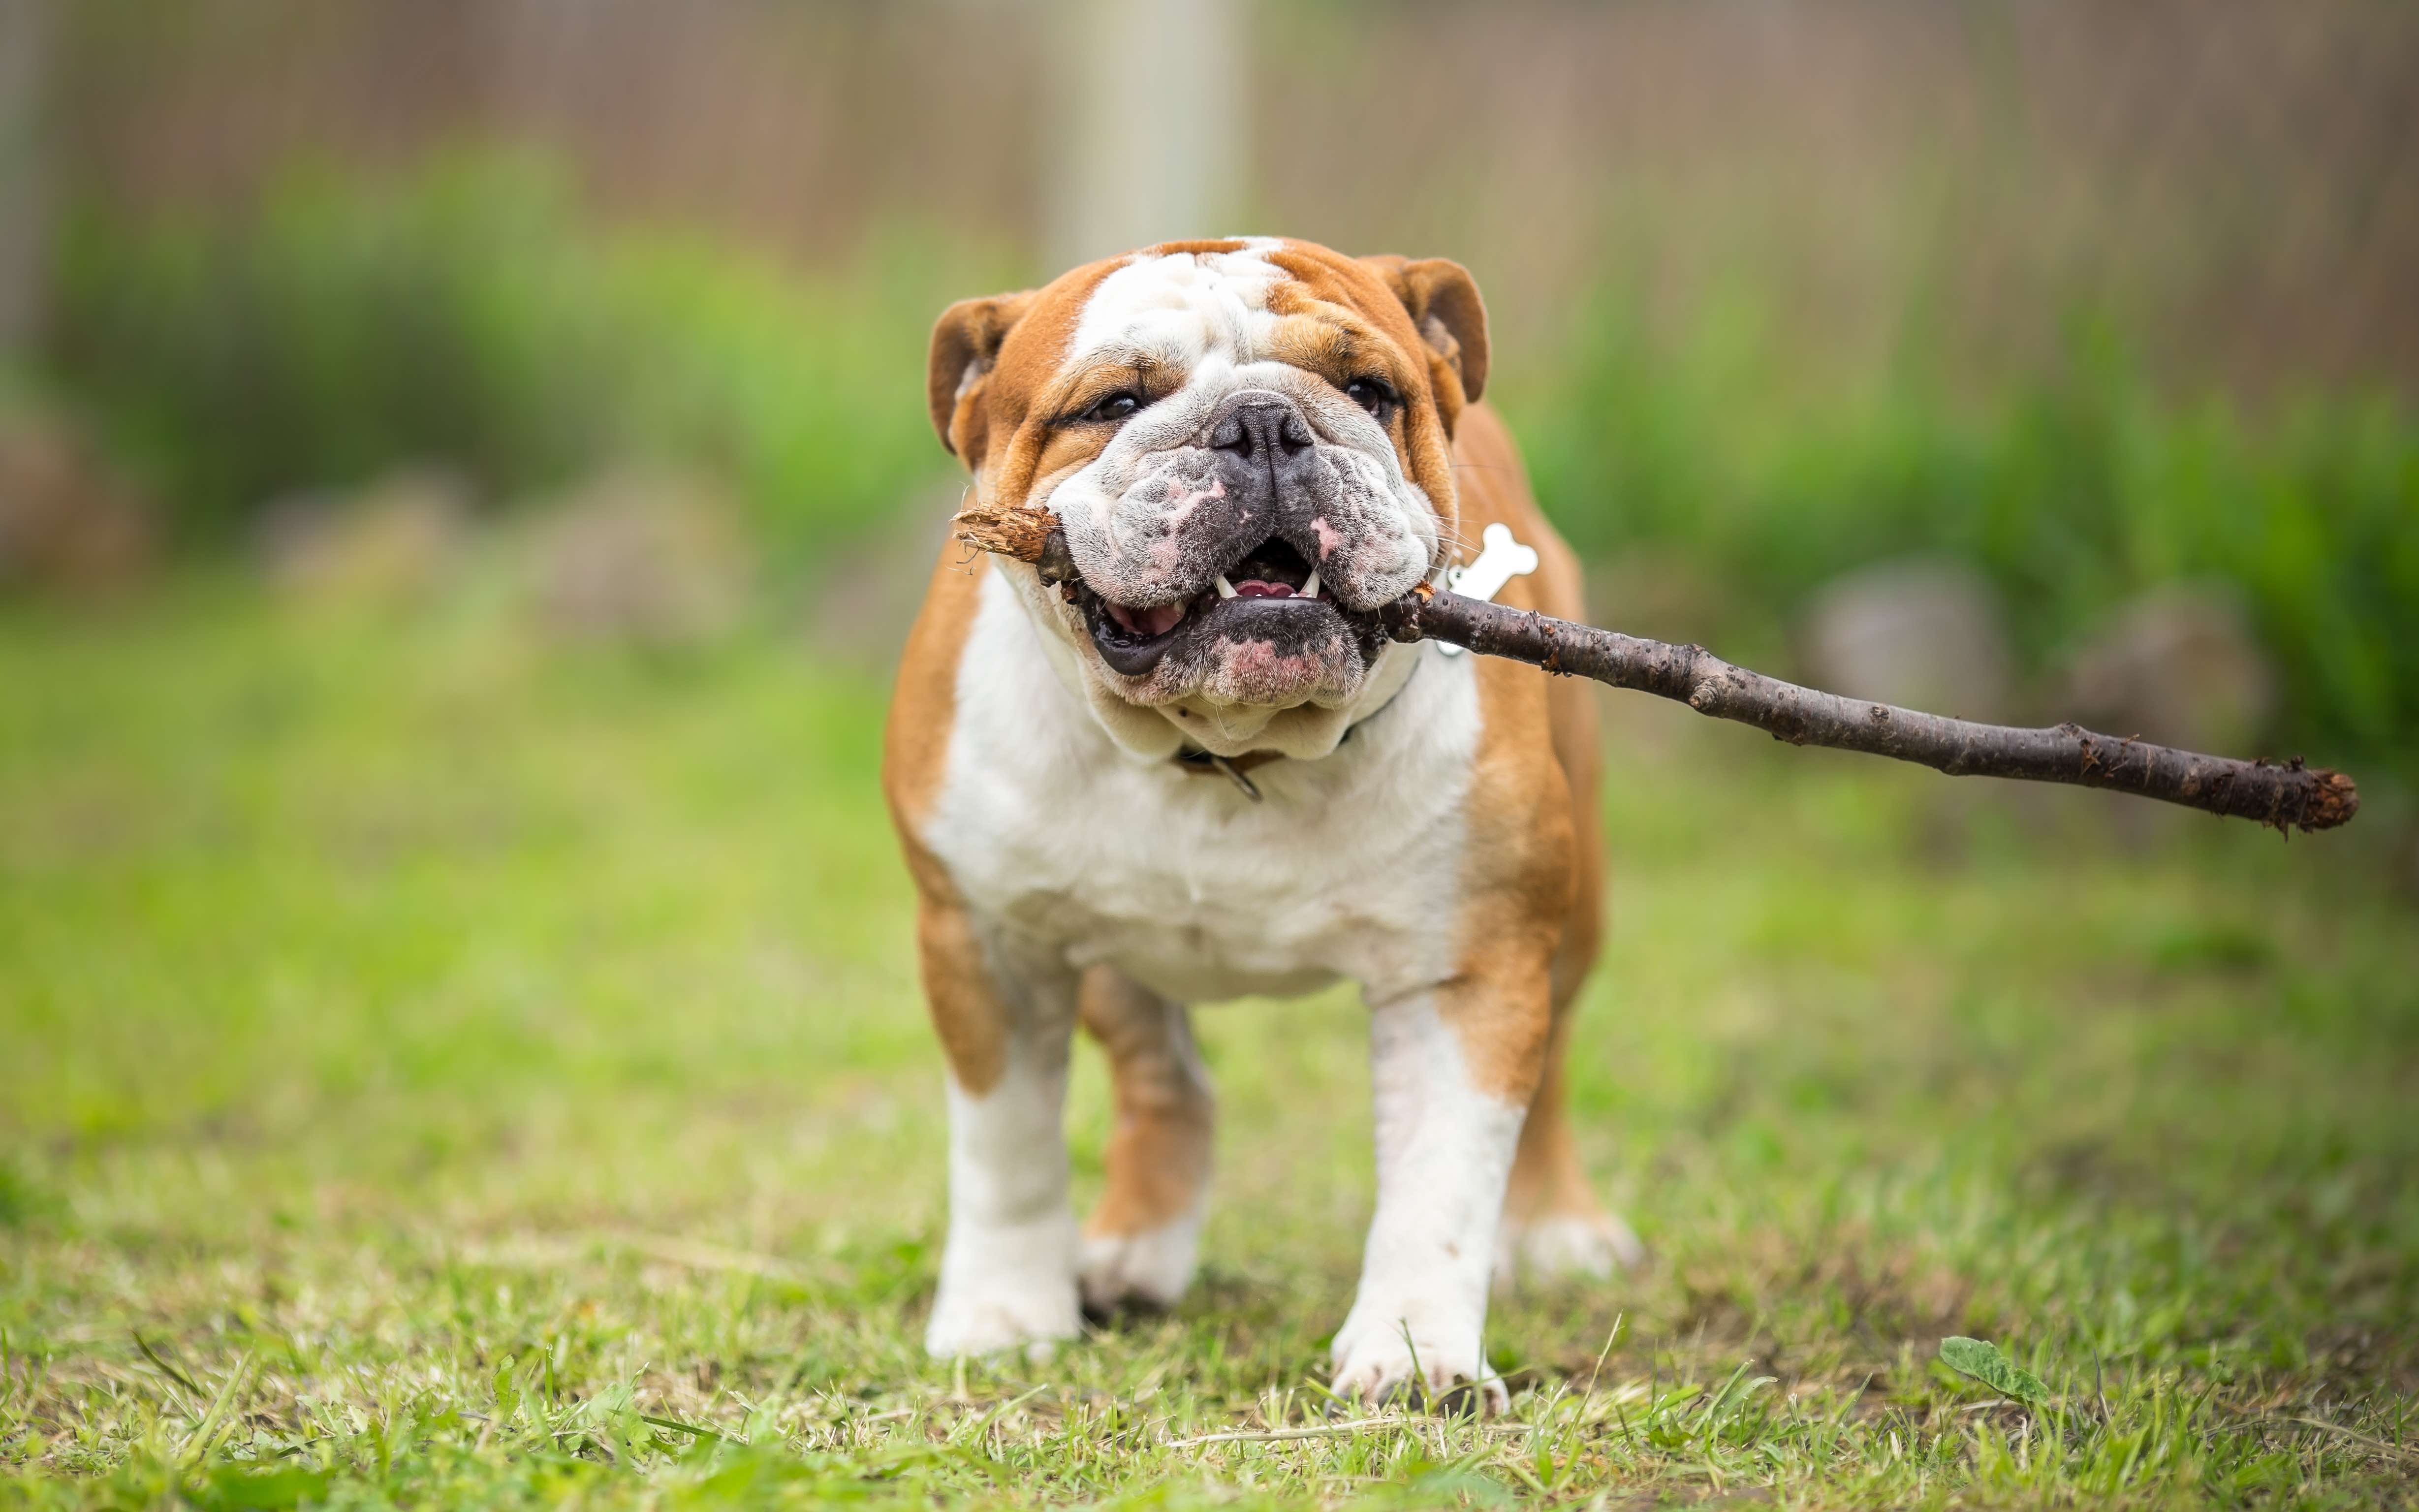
point(1245, 443)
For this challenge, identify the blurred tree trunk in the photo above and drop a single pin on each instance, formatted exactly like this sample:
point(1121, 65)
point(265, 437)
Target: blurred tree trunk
point(25, 197)
point(1148, 137)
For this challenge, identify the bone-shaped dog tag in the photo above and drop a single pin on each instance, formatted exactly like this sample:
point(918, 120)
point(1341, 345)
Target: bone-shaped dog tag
point(1500, 558)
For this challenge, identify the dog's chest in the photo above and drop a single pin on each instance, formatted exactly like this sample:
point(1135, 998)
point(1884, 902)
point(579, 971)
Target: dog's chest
point(1348, 867)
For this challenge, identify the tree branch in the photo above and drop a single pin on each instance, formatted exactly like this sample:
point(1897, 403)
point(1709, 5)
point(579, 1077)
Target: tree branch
point(2283, 795)
point(1024, 534)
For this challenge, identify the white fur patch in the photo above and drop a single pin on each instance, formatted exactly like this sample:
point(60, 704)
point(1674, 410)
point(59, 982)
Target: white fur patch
point(1154, 1265)
point(1185, 306)
point(1444, 1153)
point(1007, 1274)
point(1061, 833)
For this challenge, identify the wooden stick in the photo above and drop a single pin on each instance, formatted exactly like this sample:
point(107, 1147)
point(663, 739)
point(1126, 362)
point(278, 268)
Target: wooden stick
point(1022, 534)
point(2283, 795)
point(2280, 793)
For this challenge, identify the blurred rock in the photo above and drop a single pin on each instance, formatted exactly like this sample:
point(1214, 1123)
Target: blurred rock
point(390, 542)
point(642, 554)
point(868, 590)
point(2180, 667)
point(67, 521)
point(1921, 633)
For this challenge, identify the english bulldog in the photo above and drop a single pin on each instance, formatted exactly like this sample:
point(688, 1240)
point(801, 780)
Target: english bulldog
point(1199, 770)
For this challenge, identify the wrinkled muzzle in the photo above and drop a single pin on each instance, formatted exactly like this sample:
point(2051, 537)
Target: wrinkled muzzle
point(1236, 549)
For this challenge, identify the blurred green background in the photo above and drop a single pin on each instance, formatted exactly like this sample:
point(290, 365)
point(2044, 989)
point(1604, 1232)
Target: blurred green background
point(2081, 305)
point(464, 476)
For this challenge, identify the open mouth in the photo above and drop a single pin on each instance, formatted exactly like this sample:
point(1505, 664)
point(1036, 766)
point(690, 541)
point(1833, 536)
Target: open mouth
point(1272, 578)
point(1273, 570)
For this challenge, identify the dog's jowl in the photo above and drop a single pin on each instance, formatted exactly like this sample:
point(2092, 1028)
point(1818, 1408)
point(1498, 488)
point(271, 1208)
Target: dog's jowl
point(1200, 771)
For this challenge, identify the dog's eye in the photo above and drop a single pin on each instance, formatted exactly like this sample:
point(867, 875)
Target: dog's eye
point(1115, 407)
point(1372, 394)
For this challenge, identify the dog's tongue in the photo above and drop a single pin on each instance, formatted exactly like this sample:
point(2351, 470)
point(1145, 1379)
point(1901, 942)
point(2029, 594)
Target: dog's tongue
point(1148, 620)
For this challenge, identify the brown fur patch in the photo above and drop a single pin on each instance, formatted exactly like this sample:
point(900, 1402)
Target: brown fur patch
point(1170, 249)
point(965, 344)
point(1158, 1156)
point(966, 1010)
point(924, 703)
point(1518, 885)
point(989, 413)
point(1065, 452)
point(1536, 873)
point(1445, 308)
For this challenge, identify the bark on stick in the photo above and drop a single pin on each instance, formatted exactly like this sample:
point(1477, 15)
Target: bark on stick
point(2285, 794)
point(2280, 793)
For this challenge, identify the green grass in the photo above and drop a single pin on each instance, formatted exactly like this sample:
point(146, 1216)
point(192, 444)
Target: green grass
point(433, 1064)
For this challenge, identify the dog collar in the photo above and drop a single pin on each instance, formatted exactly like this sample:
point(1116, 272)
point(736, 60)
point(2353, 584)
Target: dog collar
point(1199, 763)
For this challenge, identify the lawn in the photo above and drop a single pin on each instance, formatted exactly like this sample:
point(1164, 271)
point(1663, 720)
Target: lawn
point(439, 1068)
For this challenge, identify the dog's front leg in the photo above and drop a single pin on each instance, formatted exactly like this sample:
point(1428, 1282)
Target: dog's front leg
point(1005, 1014)
point(1451, 1068)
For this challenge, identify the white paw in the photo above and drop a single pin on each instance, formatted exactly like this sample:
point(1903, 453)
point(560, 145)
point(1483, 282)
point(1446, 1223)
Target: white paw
point(986, 1320)
point(1005, 1289)
point(1152, 1268)
point(1571, 1245)
point(1373, 1360)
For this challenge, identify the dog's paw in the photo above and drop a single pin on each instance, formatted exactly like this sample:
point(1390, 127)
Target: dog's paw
point(989, 1319)
point(1374, 1365)
point(1567, 1247)
point(1006, 1287)
point(1148, 1270)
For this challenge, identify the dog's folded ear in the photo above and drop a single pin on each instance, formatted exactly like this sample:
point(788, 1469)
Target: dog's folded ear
point(1444, 302)
point(965, 342)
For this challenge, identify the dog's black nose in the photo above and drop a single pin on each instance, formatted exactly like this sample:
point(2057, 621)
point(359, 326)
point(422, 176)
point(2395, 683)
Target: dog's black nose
point(1263, 430)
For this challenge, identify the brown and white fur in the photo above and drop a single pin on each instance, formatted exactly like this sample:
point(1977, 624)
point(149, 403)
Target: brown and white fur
point(1427, 829)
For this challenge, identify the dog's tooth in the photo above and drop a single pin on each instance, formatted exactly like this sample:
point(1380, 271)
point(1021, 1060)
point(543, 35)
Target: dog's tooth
point(1310, 588)
point(1225, 589)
